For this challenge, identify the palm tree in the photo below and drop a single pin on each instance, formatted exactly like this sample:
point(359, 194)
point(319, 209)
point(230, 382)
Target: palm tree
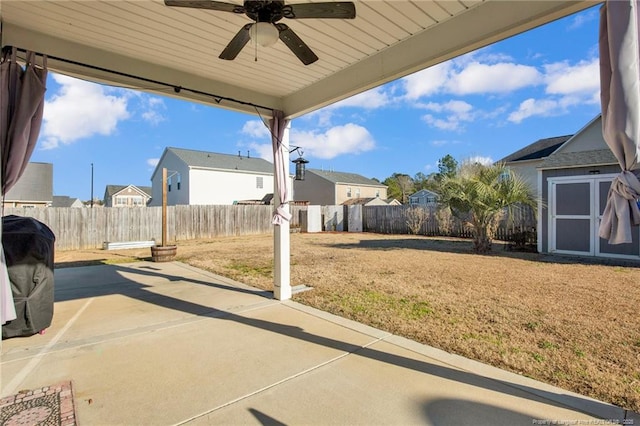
point(482, 195)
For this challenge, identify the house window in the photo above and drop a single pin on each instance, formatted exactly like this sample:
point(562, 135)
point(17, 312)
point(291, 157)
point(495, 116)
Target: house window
point(348, 192)
point(259, 182)
point(506, 174)
point(179, 180)
point(414, 201)
point(357, 192)
point(377, 193)
point(169, 185)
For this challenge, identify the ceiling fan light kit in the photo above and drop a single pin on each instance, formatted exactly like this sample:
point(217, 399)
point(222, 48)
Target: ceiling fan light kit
point(265, 28)
point(264, 33)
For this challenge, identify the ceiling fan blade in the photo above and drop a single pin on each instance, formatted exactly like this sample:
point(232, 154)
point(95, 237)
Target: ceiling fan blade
point(206, 4)
point(339, 10)
point(236, 44)
point(295, 43)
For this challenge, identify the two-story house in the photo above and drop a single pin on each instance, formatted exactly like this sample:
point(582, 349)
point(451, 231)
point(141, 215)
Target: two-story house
point(201, 177)
point(423, 198)
point(322, 187)
point(127, 196)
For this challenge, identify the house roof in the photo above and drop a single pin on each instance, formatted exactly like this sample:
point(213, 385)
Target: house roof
point(111, 190)
point(345, 178)
point(579, 159)
point(539, 149)
point(213, 160)
point(360, 201)
point(176, 49)
point(423, 191)
point(63, 201)
point(35, 184)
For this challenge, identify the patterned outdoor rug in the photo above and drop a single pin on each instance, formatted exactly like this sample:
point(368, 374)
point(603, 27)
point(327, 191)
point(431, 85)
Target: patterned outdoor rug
point(47, 406)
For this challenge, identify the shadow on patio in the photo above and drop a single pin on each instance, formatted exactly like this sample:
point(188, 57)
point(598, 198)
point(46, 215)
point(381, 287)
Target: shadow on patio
point(171, 344)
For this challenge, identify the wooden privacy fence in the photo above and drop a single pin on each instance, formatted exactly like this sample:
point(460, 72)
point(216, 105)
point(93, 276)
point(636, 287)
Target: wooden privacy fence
point(86, 228)
point(398, 219)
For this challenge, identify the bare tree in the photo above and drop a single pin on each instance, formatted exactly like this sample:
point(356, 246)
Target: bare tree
point(416, 217)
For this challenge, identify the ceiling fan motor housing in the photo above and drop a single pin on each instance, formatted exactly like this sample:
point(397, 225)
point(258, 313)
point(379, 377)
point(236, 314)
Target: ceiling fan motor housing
point(264, 11)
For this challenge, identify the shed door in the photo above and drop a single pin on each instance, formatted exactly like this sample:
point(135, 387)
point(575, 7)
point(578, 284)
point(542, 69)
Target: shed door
point(630, 250)
point(572, 217)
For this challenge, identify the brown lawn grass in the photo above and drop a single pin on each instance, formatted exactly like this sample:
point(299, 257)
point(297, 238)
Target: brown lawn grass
point(569, 322)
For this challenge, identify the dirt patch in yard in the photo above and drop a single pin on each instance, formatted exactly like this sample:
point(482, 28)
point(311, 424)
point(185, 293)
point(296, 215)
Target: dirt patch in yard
point(570, 322)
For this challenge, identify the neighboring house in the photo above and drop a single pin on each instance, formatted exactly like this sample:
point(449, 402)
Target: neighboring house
point(33, 189)
point(424, 198)
point(127, 196)
point(574, 183)
point(333, 188)
point(66, 201)
point(200, 177)
point(525, 161)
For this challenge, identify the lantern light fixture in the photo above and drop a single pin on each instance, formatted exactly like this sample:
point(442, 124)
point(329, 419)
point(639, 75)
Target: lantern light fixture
point(300, 163)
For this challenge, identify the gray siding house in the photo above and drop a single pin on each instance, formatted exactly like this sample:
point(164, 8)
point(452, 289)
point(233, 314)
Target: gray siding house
point(525, 161)
point(423, 198)
point(33, 189)
point(574, 183)
point(334, 188)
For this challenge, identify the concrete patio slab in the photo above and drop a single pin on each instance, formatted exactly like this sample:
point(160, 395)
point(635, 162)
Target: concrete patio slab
point(166, 343)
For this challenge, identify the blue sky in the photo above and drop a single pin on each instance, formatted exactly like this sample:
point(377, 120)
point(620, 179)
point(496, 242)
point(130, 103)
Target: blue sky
point(486, 104)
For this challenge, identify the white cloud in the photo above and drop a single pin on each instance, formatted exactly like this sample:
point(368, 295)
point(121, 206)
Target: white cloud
point(80, 110)
point(428, 81)
point(456, 113)
point(447, 123)
point(153, 162)
point(264, 150)
point(153, 108)
point(564, 79)
point(478, 159)
point(581, 19)
point(502, 77)
point(532, 107)
point(256, 129)
point(347, 139)
point(462, 77)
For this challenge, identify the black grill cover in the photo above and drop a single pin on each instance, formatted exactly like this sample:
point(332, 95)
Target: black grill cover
point(28, 248)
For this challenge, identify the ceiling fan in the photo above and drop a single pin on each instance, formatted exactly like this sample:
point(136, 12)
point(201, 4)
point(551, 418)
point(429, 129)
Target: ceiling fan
point(266, 29)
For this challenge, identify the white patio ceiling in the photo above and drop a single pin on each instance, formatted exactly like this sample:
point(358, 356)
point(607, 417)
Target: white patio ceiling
point(179, 47)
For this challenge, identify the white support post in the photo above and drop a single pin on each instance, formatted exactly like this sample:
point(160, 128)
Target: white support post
point(281, 236)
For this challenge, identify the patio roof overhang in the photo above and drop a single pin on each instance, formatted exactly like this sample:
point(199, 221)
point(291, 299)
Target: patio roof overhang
point(174, 51)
